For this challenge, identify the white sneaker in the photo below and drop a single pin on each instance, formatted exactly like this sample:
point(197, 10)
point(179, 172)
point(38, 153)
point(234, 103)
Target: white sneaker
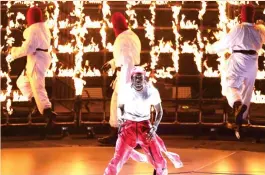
point(237, 134)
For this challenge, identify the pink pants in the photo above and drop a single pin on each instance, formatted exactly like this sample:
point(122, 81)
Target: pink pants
point(133, 133)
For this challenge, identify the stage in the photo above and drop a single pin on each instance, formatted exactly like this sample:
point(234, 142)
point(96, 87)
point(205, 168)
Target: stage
point(79, 156)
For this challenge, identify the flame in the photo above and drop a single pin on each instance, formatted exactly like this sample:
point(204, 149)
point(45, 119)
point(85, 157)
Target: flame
point(150, 34)
point(164, 47)
point(131, 13)
point(18, 97)
point(222, 26)
point(175, 54)
point(91, 24)
point(94, 1)
point(79, 32)
point(209, 71)
point(2, 96)
point(64, 24)
point(79, 84)
point(68, 48)
point(93, 47)
point(164, 72)
point(105, 12)
point(109, 47)
point(257, 97)
point(27, 3)
point(158, 2)
point(18, 17)
point(203, 10)
point(188, 24)
point(9, 41)
point(149, 28)
point(9, 107)
point(236, 2)
point(52, 23)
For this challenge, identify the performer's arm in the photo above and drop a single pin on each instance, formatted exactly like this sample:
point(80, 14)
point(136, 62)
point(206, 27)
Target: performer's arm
point(121, 108)
point(120, 113)
point(158, 117)
point(28, 47)
point(226, 42)
point(261, 27)
point(159, 114)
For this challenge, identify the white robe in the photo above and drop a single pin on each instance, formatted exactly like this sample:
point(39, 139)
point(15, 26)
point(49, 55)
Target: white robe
point(126, 52)
point(240, 70)
point(32, 84)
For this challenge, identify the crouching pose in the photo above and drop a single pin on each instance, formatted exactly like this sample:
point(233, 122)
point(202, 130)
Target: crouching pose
point(37, 42)
point(240, 73)
point(134, 103)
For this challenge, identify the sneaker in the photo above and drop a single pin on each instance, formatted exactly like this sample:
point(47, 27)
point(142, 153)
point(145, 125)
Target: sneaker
point(50, 116)
point(239, 110)
point(111, 139)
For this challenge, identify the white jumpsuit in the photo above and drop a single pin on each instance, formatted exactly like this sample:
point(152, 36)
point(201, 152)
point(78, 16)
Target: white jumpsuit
point(32, 83)
point(126, 52)
point(241, 69)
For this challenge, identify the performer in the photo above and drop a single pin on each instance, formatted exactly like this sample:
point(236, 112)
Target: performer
point(126, 52)
point(32, 81)
point(239, 76)
point(135, 100)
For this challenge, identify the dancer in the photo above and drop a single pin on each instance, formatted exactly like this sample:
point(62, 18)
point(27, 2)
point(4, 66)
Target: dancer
point(32, 81)
point(240, 73)
point(126, 52)
point(135, 100)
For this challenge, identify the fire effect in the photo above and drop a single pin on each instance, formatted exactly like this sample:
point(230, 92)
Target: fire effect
point(79, 31)
point(131, 13)
point(257, 97)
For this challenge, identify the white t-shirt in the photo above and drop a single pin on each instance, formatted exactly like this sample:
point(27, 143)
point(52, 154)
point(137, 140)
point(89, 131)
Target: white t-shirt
point(137, 104)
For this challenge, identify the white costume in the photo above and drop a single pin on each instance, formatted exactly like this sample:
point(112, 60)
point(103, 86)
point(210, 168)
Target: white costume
point(32, 84)
point(241, 69)
point(126, 52)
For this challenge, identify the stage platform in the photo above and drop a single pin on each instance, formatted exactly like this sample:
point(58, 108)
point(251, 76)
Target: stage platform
point(79, 156)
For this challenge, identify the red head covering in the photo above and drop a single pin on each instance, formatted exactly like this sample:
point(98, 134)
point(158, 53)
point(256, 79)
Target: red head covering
point(34, 15)
point(138, 69)
point(119, 23)
point(247, 13)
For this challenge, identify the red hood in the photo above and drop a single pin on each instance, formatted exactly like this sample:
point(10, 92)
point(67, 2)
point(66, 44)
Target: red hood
point(247, 13)
point(34, 15)
point(119, 23)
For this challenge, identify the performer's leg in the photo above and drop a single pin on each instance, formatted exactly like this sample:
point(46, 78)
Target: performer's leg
point(233, 95)
point(23, 84)
point(152, 149)
point(121, 155)
point(246, 94)
point(155, 157)
point(111, 139)
point(37, 82)
point(113, 110)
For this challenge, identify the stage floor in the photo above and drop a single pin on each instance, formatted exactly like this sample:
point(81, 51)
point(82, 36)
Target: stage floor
point(85, 157)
